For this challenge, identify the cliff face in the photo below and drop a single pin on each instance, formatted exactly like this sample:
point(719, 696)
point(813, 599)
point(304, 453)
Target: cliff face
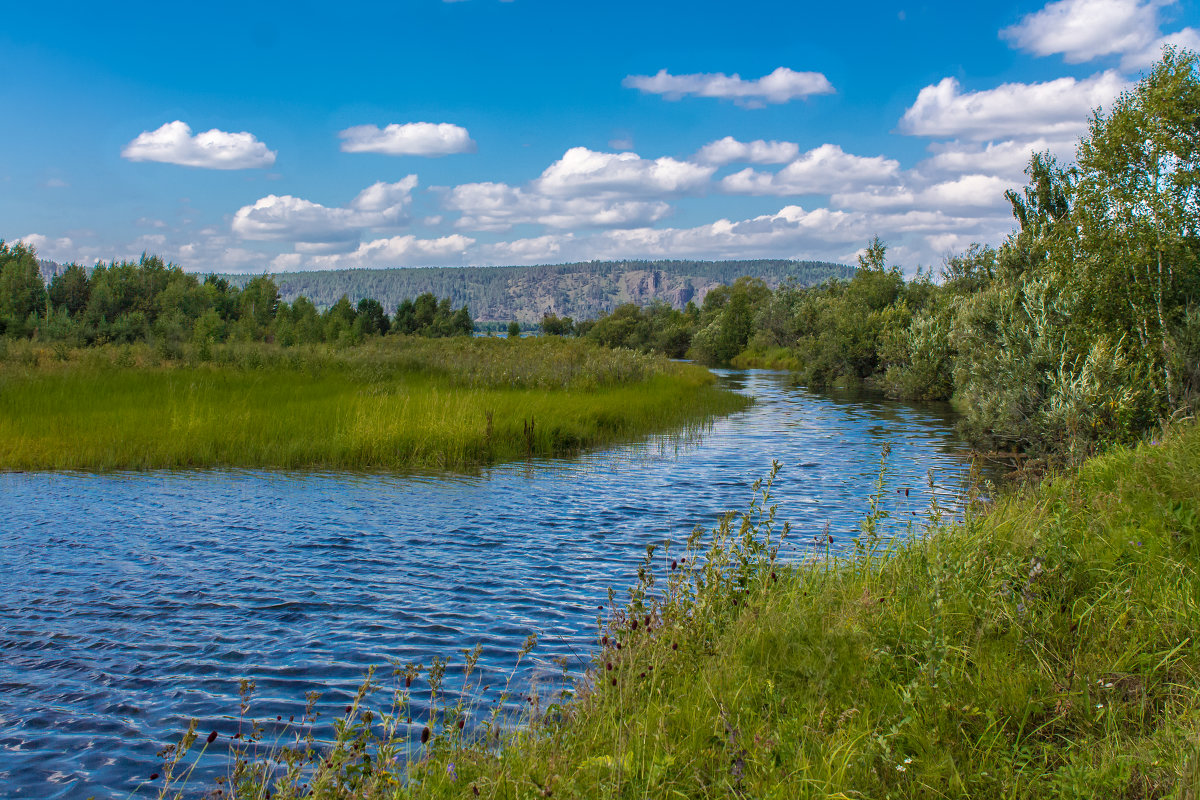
point(582, 291)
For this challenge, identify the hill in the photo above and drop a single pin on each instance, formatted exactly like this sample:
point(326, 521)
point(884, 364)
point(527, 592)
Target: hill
point(581, 290)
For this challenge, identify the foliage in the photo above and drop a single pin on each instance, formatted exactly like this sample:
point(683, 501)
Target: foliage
point(1078, 332)
point(160, 304)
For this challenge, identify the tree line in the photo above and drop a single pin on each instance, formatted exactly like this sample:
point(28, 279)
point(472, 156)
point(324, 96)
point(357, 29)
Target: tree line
point(149, 300)
point(1081, 329)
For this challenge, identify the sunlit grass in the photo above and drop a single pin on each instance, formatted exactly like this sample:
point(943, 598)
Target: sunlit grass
point(1045, 647)
point(411, 403)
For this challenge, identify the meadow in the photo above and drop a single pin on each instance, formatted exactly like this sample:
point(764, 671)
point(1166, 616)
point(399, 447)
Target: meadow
point(390, 403)
point(1043, 647)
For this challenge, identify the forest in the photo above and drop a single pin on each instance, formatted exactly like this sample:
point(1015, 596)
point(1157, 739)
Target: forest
point(158, 303)
point(1079, 331)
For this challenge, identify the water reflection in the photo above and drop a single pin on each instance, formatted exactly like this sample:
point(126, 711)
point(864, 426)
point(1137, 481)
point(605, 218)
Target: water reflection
point(130, 603)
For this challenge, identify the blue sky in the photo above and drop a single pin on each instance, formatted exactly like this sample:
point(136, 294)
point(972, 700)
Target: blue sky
point(262, 137)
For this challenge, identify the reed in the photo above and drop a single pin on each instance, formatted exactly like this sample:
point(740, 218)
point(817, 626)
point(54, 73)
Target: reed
point(398, 403)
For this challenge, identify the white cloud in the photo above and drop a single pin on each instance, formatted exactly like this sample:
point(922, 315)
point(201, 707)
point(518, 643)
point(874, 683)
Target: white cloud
point(824, 169)
point(729, 150)
point(1006, 159)
point(968, 192)
point(411, 139)
point(1188, 38)
point(1085, 29)
point(54, 249)
point(537, 249)
point(498, 206)
point(1058, 108)
point(780, 86)
point(398, 251)
point(174, 143)
point(587, 172)
point(293, 219)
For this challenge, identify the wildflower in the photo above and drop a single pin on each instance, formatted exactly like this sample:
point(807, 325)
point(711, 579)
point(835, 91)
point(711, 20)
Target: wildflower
point(475, 789)
point(451, 771)
point(349, 709)
point(647, 620)
point(901, 768)
point(153, 776)
point(674, 564)
point(908, 760)
point(1099, 706)
point(461, 723)
point(674, 645)
point(614, 681)
point(608, 666)
point(212, 737)
point(425, 735)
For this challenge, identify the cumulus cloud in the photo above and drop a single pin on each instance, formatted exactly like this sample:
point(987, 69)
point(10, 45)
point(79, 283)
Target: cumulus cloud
point(962, 193)
point(398, 251)
point(1058, 108)
point(294, 219)
point(780, 86)
point(1188, 38)
point(54, 248)
point(587, 172)
point(174, 143)
point(729, 151)
point(411, 139)
point(1006, 158)
point(1085, 29)
point(822, 170)
point(498, 206)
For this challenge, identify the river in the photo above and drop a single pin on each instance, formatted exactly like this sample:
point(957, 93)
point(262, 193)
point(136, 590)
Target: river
point(132, 602)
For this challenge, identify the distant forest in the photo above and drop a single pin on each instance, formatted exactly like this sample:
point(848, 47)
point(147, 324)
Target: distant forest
point(583, 290)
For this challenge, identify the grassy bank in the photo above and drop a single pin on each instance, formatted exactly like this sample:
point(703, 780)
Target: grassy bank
point(1045, 648)
point(392, 403)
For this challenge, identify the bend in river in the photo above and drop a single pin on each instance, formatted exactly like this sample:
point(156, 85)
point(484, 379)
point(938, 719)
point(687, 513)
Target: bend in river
point(130, 603)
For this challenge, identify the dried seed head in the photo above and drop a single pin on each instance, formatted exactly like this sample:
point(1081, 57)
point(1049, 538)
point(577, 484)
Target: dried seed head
point(153, 776)
point(407, 681)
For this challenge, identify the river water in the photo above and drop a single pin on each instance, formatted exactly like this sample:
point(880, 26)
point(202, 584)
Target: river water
point(133, 602)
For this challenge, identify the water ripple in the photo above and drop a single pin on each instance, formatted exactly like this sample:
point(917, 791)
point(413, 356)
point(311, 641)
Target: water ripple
point(130, 603)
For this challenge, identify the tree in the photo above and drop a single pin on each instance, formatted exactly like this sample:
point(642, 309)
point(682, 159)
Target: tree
point(514, 330)
point(1138, 210)
point(70, 289)
point(22, 293)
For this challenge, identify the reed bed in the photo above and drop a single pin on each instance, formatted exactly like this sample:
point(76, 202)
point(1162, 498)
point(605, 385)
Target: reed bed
point(1044, 647)
point(396, 403)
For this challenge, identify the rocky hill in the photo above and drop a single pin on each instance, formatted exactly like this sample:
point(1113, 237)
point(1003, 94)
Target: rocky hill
point(581, 290)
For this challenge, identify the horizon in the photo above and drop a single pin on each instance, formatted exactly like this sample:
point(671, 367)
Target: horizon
point(443, 134)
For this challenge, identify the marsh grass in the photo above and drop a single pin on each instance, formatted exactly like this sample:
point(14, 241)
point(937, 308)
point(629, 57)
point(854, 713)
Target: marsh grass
point(389, 404)
point(1043, 647)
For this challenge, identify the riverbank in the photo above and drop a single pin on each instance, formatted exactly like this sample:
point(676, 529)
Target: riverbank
point(395, 403)
point(1043, 648)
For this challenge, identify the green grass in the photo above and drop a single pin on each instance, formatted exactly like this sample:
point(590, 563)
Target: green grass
point(390, 404)
point(1043, 649)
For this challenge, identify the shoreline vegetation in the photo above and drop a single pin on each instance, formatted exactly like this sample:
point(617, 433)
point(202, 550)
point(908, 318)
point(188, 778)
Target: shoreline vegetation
point(390, 403)
point(1045, 646)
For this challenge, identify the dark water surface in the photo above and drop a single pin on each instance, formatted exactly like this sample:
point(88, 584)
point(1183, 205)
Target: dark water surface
point(130, 603)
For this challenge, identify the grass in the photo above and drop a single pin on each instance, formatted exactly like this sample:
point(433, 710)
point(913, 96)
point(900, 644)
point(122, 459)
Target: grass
point(389, 404)
point(1045, 647)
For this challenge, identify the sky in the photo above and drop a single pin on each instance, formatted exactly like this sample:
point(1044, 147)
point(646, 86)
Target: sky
point(264, 137)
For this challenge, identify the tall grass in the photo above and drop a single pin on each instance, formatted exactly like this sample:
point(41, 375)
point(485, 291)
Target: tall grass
point(407, 403)
point(1045, 647)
